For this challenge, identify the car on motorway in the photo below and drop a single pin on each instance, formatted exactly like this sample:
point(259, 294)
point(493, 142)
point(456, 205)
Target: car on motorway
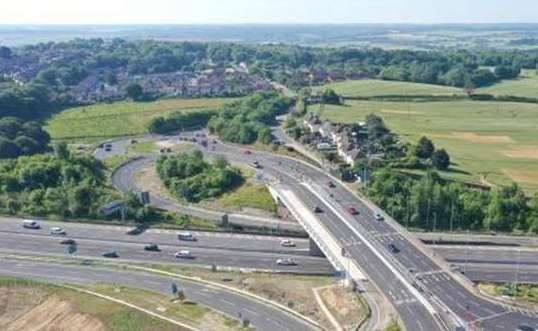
point(379, 217)
point(152, 248)
point(31, 224)
point(525, 327)
point(393, 249)
point(353, 210)
point(317, 209)
point(56, 231)
point(184, 255)
point(186, 236)
point(286, 262)
point(68, 242)
point(111, 255)
point(287, 243)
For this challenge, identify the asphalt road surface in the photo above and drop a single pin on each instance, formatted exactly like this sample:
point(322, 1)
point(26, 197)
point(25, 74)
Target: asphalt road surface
point(223, 250)
point(262, 316)
point(437, 285)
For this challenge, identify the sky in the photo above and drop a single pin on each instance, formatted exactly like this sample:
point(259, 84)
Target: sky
point(266, 11)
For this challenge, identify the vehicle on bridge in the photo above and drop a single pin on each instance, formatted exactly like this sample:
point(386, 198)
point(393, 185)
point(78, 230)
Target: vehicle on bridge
point(30, 224)
point(353, 211)
point(394, 249)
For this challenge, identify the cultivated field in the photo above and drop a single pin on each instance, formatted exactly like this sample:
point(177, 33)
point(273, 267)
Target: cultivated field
point(489, 142)
point(98, 122)
point(524, 86)
point(374, 87)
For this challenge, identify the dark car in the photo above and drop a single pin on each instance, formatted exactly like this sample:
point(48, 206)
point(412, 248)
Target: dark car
point(318, 209)
point(525, 327)
point(68, 242)
point(111, 255)
point(331, 185)
point(393, 248)
point(353, 211)
point(247, 152)
point(152, 248)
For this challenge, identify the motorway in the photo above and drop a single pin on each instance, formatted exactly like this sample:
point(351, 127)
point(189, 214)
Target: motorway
point(366, 241)
point(261, 315)
point(222, 249)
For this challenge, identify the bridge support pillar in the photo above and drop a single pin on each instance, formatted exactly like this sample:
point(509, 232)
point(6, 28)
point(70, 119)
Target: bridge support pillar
point(315, 250)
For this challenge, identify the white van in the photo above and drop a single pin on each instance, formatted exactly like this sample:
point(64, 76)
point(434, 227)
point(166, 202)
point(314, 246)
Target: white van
point(30, 224)
point(186, 236)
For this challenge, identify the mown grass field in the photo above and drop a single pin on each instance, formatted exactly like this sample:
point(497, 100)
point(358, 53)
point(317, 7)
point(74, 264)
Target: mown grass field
point(489, 142)
point(374, 87)
point(102, 121)
point(524, 86)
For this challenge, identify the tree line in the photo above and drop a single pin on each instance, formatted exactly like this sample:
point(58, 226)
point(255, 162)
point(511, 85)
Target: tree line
point(18, 137)
point(249, 119)
point(432, 203)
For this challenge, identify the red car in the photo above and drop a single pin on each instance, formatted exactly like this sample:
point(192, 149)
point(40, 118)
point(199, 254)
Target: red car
point(353, 211)
point(248, 152)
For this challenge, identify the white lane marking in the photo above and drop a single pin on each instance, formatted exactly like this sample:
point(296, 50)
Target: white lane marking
point(410, 287)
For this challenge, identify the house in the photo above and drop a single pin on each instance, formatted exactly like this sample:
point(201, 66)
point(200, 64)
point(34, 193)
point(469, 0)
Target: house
point(313, 123)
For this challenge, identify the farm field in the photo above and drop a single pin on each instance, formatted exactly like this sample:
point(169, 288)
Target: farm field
point(375, 87)
point(489, 142)
point(98, 122)
point(524, 86)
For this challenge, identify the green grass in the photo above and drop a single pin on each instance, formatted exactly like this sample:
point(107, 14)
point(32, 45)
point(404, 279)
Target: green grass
point(98, 122)
point(494, 142)
point(373, 87)
point(144, 147)
point(524, 86)
point(249, 195)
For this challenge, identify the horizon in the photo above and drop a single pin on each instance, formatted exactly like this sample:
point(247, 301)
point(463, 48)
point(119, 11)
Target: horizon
point(170, 12)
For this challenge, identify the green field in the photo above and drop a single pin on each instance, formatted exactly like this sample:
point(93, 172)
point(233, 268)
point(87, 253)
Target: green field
point(374, 87)
point(489, 142)
point(524, 86)
point(98, 122)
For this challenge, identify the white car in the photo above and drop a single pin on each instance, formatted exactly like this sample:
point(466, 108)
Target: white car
point(286, 262)
point(184, 255)
point(287, 243)
point(57, 231)
point(379, 217)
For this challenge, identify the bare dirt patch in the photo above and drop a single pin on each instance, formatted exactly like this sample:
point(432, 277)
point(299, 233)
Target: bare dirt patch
point(522, 152)
point(55, 314)
point(295, 294)
point(400, 112)
point(476, 138)
point(344, 305)
point(16, 301)
point(522, 176)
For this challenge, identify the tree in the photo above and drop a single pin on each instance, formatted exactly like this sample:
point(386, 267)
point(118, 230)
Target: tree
point(61, 151)
point(441, 159)
point(135, 92)
point(8, 149)
point(424, 148)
